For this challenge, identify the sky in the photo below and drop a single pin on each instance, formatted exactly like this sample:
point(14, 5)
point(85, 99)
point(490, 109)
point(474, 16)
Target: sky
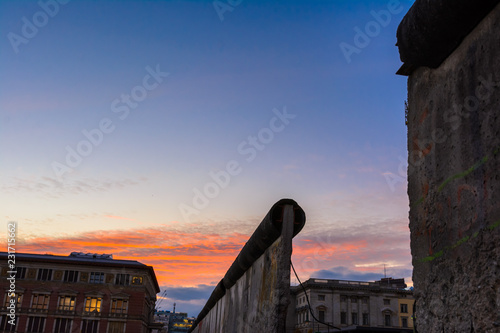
point(164, 131)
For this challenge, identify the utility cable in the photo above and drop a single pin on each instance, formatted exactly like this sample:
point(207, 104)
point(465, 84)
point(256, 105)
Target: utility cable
point(307, 298)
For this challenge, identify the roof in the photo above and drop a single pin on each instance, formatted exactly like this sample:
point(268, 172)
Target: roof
point(352, 285)
point(86, 261)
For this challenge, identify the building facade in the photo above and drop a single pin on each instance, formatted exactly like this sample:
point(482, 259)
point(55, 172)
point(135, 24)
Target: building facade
point(87, 293)
point(380, 306)
point(174, 322)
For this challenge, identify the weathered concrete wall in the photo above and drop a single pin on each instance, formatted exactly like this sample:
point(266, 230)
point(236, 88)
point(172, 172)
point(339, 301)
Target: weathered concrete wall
point(255, 292)
point(454, 183)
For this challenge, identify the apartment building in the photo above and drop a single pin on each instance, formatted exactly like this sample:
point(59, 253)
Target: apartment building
point(353, 306)
point(87, 293)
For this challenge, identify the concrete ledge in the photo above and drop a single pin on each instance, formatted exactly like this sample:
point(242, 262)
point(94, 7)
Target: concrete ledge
point(254, 293)
point(432, 30)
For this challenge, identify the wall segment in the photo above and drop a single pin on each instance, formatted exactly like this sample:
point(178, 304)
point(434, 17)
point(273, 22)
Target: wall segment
point(454, 162)
point(254, 294)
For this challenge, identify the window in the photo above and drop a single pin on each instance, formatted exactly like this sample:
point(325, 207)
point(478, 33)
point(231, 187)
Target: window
point(18, 298)
point(20, 273)
point(122, 279)
point(364, 300)
point(404, 322)
point(343, 318)
point(89, 326)
point(387, 301)
point(387, 320)
point(36, 324)
point(343, 298)
point(5, 325)
point(137, 280)
point(322, 315)
point(119, 306)
point(63, 325)
point(93, 304)
point(116, 327)
point(321, 297)
point(40, 301)
point(404, 308)
point(44, 274)
point(66, 303)
point(97, 277)
point(354, 317)
point(354, 300)
point(366, 319)
point(70, 276)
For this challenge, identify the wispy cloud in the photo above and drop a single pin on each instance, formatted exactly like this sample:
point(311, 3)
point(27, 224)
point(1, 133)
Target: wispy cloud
point(55, 188)
point(346, 273)
point(364, 248)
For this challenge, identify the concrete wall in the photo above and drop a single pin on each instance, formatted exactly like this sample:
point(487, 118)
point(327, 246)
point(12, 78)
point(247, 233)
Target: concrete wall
point(255, 293)
point(454, 176)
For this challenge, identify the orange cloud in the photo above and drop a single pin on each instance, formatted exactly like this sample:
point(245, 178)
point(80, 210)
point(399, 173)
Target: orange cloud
point(194, 255)
point(180, 258)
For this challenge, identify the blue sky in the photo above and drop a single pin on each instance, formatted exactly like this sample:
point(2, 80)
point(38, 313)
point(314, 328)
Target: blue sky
point(227, 82)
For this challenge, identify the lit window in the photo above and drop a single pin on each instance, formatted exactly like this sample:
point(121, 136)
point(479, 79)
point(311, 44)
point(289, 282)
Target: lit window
point(40, 301)
point(119, 306)
point(96, 277)
point(137, 280)
point(93, 304)
point(67, 303)
point(18, 298)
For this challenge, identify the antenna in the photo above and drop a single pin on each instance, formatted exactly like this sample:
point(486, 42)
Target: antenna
point(174, 307)
point(385, 275)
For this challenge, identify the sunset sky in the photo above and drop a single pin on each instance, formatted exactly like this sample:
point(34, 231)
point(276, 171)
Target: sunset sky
point(163, 132)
